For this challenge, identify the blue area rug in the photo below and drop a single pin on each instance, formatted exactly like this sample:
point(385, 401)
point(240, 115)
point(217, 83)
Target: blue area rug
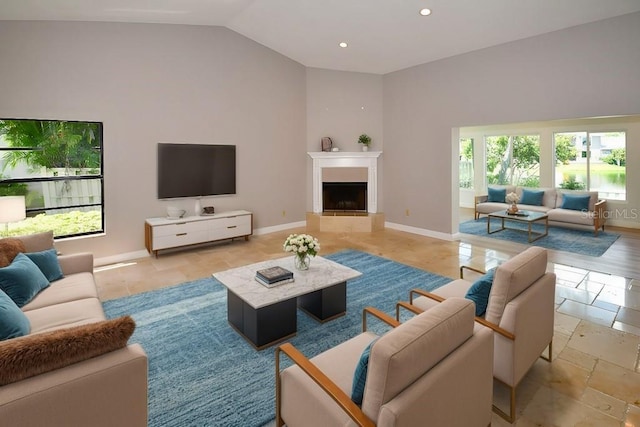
point(559, 238)
point(202, 373)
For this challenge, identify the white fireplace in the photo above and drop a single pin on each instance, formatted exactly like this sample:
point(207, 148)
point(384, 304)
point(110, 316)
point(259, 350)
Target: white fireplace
point(332, 159)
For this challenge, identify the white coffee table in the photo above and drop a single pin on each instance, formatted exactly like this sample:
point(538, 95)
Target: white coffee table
point(265, 316)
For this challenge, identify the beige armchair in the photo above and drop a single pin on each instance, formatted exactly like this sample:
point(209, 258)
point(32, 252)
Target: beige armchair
point(420, 373)
point(520, 311)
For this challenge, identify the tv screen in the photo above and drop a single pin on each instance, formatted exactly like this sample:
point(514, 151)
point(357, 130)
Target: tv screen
point(195, 170)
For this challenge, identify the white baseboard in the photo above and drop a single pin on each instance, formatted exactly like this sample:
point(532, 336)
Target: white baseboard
point(114, 259)
point(280, 227)
point(420, 231)
point(620, 223)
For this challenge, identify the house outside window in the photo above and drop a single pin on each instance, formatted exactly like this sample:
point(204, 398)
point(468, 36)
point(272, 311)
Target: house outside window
point(58, 167)
point(592, 161)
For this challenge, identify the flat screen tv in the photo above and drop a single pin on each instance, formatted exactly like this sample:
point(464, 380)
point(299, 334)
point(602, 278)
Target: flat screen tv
point(196, 170)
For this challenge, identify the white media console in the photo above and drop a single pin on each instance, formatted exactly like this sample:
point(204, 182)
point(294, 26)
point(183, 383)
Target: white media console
point(165, 233)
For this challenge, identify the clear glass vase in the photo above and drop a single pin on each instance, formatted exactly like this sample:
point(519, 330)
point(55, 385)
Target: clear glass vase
point(301, 261)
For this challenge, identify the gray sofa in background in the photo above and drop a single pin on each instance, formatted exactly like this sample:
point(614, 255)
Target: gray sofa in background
point(552, 201)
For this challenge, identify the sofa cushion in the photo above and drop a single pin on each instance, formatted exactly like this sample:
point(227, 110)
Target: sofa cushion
point(575, 202)
point(22, 280)
point(65, 315)
point(35, 354)
point(13, 322)
point(405, 353)
point(38, 241)
point(70, 288)
point(338, 363)
point(479, 291)
point(490, 207)
point(570, 216)
point(47, 262)
point(497, 195)
point(532, 197)
point(514, 276)
point(9, 248)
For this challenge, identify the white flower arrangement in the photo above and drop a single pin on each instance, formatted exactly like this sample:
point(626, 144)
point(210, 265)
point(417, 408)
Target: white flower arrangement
point(301, 245)
point(512, 198)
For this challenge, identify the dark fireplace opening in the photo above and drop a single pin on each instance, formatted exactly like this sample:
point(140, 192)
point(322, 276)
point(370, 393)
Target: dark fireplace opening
point(344, 197)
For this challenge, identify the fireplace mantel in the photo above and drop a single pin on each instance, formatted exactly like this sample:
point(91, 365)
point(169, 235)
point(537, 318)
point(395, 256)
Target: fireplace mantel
point(345, 159)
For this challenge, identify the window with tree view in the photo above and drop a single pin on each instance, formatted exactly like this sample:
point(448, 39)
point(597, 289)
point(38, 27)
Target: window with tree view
point(513, 159)
point(466, 163)
point(593, 161)
point(57, 166)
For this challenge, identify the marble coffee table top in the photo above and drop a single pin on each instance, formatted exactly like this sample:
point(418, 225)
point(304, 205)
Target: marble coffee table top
point(322, 273)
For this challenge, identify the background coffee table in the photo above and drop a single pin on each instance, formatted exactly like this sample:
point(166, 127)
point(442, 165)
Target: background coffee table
point(529, 218)
point(265, 316)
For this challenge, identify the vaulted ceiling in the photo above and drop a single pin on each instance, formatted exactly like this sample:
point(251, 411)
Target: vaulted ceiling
point(382, 35)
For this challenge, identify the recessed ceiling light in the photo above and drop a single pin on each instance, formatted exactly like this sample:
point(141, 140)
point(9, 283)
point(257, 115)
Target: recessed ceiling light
point(425, 12)
point(343, 44)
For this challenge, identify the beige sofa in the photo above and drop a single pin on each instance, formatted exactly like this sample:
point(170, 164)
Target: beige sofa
point(552, 200)
point(106, 390)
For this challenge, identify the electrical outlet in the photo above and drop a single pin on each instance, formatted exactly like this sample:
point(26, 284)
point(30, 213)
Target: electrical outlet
point(284, 213)
point(406, 212)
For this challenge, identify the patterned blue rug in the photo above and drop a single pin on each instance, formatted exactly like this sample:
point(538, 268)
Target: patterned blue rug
point(559, 238)
point(202, 373)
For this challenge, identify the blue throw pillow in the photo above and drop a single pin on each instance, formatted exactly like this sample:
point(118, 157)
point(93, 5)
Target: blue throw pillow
point(13, 322)
point(532, 197)
point(360, 375)
point(22, 280)
point(497, 194)
point(480, 290)
point(575, 202)
point(47, 262)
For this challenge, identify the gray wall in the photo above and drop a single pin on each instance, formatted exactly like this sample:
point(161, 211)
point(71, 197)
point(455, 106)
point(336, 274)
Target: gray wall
point(171, 83)
point(586, 71)
point(342, 106)
point(163, 83)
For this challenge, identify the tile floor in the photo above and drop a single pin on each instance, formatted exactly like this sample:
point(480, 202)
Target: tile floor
point(593, 379)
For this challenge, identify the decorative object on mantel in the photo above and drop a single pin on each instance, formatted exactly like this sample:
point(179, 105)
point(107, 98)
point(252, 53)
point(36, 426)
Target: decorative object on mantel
point(303, 247)
point(326, 143)
point(512, 198)
point(365, 140)
point(335, 149)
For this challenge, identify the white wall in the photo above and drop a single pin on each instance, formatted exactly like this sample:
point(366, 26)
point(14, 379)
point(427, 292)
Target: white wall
point(163, 83)
point(585, 71)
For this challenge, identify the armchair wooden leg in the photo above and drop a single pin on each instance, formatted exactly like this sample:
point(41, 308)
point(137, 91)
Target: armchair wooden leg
point(550, 347)
point(511, 417)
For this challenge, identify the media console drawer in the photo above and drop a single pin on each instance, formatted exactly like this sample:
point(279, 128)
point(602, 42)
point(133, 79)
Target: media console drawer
point(163, 233)
point(180, 228)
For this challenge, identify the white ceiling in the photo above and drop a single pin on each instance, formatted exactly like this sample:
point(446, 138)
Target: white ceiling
point(383, 35)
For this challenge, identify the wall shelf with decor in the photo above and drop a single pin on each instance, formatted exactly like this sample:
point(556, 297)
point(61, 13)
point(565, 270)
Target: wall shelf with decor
point(164, 233)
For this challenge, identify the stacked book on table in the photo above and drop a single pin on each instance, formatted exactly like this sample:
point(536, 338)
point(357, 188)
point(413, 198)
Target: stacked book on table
point(274, 276)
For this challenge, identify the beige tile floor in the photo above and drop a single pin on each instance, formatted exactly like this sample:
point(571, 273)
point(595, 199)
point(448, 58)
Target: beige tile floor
point(593, 380)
